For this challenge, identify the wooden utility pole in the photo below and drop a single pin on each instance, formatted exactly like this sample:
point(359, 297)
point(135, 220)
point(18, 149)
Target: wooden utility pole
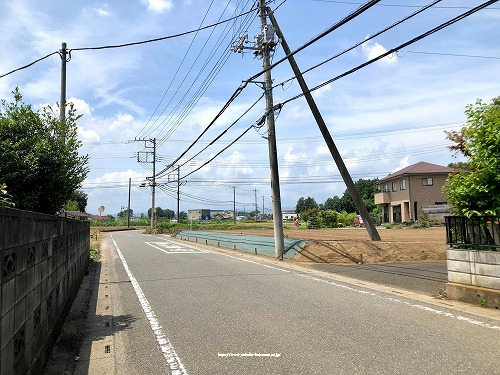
point(370, 225)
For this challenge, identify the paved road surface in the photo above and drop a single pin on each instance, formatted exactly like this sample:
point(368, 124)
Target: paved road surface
point(184, 309)
point(429, 278)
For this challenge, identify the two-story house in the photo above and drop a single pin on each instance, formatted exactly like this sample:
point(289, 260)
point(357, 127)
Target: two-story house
point(404, 193)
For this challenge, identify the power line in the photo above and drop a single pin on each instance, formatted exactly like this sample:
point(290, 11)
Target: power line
point(178, 69)
point(366, 39)
point(393, 50)
point(130, 44)
point(224, 132)
point(28, 65)
point(450, 54)
point(393, 5)
point(162, 38)
point(342, 22)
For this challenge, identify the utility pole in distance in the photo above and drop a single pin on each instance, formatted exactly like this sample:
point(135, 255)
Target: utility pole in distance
point(150, 143)
point(128, 213)
point(256, 208)
point(370, 225)
point(234, 205)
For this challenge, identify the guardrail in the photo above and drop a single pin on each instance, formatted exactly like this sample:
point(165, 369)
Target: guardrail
point(477, 232)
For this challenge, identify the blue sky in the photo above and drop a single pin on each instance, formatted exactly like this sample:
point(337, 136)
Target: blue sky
point(386, 116)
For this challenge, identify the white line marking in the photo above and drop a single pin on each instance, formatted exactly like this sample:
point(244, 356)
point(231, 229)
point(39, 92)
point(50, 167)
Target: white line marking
point(396, 300)
point(173, 361)
point(373, 294)
point(174, 249)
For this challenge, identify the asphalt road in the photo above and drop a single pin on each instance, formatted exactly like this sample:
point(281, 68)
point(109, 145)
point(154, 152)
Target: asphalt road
point(186, 309)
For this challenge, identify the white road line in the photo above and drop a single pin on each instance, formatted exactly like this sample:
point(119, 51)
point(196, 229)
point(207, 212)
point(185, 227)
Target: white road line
point(396, 300)
point(174, 249)
point(172, 359)
point(373, 294)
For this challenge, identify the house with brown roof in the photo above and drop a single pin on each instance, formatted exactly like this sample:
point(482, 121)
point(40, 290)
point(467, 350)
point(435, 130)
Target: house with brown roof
point(406, 194)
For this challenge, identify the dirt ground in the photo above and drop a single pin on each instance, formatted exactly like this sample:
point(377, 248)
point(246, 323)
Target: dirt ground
point(350, 245)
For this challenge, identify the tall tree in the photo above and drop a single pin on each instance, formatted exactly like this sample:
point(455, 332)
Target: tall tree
point(304, 204)
point(39, 153)
point(476, 190)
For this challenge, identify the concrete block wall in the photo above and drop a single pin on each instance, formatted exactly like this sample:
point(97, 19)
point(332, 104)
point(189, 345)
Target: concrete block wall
point(474, 267)
point(474, 275)
point(43, 259)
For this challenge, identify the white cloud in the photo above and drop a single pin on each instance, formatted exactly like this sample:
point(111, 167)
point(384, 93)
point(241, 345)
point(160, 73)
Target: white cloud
point(292, 157)
point(103, 11)
point(372, 50)
point(403, 163)
point(121, 120)
point(158, 6)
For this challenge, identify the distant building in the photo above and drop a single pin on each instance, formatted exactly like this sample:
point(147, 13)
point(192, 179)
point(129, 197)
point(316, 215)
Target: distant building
point(408, 193)
point(289, 215)
point(199, 215)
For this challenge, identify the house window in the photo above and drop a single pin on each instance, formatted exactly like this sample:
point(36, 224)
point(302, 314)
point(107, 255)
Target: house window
point(386, 188)
point(394, 186)
point(403, 185)
point(427, 181)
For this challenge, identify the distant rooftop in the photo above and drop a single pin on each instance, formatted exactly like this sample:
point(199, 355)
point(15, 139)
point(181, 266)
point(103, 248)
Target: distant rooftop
point(420, 168)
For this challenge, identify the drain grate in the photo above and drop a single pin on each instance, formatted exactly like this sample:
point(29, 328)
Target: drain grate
point(107, 349)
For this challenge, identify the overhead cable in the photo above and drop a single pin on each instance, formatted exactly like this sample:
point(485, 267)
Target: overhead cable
point(222, 133)
point(365, 40)
point(28, 65)
point(393, 50)
point(342, 22)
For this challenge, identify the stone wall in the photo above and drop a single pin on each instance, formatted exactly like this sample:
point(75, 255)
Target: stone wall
point(43, 259)
point(474, 276)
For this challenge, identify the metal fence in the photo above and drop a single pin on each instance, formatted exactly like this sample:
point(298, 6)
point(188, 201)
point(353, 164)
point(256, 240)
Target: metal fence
point(481, 232)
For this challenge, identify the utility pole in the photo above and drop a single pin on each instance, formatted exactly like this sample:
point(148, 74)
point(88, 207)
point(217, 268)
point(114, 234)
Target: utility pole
point(370, 225)
point(128, 212)
point(263, 206)
point(234, 205)
point(152, 145)
point(266, 47)
point(64, 60)
point(178, 193)
point(256, 208)
point(263, 44)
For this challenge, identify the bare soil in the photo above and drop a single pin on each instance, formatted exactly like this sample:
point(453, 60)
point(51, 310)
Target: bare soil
point(348, 245)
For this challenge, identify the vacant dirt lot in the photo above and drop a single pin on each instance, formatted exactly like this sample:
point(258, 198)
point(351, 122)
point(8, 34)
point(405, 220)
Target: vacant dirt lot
point(348, 245)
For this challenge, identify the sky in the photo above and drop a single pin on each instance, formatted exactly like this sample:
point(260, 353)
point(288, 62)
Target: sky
point(382, 117)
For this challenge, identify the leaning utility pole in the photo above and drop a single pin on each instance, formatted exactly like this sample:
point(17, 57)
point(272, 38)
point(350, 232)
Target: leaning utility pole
point(370, 225)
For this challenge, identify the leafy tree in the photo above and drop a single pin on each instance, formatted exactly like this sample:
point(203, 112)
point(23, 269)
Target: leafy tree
point(183, 215)
point(5, 197)
point(81, 200)
point(304, 204)
point(333, 204)
point(39, 154)
point(71, 206)
point(160, 212)
point(124, 213)
point(476, 190)
point(328, 218)
point(308, 214)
